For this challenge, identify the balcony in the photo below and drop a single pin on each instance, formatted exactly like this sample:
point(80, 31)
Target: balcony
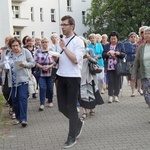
point(18, 1)
point(20, 22)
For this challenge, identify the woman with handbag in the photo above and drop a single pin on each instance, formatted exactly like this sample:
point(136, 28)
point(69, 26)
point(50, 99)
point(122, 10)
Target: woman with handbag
point(98, 50)
point(44, 61)
point(90, 95)
point(19, 60)
point(114, 52)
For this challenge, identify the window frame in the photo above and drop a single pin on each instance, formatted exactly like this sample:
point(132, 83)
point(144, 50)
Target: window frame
point(15, 11)
point(32, 13)
point(41, 15)
point(53, 15)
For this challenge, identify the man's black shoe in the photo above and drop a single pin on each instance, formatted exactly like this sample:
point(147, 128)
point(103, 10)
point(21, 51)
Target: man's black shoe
point(70, 142)
point(79, 128)
point(34, 96)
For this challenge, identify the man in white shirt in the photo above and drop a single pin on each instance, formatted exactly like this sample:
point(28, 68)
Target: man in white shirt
point(69, 77)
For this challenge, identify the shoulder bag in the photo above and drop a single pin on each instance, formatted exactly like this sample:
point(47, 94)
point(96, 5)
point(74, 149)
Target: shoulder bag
point(123, 68)
point(94, 66)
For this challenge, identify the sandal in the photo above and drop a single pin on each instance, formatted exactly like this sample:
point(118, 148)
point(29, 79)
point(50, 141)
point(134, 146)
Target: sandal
point(10, 111)
point(140, 92)
point(13, 116)
point(92, 113)
point(16, 122)
point(84, 116)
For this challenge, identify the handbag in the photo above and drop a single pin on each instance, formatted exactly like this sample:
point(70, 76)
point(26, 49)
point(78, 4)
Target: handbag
point(123, 68)
point(54, 70)
point(94, 68)
point(37, 72)
point(32, 84)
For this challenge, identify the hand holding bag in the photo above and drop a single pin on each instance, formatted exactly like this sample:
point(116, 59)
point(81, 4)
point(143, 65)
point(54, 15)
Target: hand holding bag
point(94, 66)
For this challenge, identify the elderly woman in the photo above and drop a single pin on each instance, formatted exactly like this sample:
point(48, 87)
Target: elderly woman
point(113, 52)
point(54, 46)
point(130, 47)
point(98, 50)
point(5, 89)
point(18, 64)
point(142, 63)
point(140, 42)
point(90, 96)
point(44, 61)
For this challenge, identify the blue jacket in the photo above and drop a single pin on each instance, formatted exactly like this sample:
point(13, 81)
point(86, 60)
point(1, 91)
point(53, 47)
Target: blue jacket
point(98, 50)
point(130, 51)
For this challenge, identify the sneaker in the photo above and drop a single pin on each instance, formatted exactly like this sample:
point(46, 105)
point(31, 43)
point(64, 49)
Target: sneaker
point(110, 99)
point(41, 108)
point(50, 105)
point(70, 142)
point(24, 123)
point(116, 99)
point(79, 128)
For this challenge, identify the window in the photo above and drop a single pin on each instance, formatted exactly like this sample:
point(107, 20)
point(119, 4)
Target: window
point(41, 14)
point(42, 34)
point(15, 11)
point(33, 34)
point(69, 5)
point(32, 13)
point(17, 34)
point(53, 15)
point(83, 17)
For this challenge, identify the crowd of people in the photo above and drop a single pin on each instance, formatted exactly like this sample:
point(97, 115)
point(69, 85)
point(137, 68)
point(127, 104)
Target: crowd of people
point(75, 85)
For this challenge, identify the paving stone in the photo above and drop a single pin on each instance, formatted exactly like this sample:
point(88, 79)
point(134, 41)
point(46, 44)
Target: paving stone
point(117, 126)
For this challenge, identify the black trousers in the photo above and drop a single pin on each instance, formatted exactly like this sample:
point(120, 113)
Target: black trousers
point(113, 83)
point(67, 96)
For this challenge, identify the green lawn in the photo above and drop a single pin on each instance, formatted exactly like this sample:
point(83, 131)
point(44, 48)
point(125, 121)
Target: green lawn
point(2, 101)
point(5, 122)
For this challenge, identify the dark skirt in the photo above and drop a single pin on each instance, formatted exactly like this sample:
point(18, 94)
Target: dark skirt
point(90, 97)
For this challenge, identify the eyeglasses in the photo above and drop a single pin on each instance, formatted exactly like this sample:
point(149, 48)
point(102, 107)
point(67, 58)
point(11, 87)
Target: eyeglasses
point(64, 25)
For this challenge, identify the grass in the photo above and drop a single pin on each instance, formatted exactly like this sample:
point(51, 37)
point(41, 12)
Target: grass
point(4, 118)
point(2, 101)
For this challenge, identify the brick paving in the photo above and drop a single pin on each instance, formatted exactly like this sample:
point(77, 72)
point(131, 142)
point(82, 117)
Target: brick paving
point(116, 126)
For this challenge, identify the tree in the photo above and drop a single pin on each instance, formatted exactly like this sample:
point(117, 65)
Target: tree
point(123, 16)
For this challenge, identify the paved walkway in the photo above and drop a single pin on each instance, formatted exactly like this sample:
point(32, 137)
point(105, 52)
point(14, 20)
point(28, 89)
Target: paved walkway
point(116, 126)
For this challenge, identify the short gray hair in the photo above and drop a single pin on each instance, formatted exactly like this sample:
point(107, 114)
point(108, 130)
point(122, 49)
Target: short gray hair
point(147, 29)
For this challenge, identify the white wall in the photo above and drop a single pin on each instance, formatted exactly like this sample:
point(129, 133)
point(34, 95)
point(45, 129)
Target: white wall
point(6, 27)
point(47, 26)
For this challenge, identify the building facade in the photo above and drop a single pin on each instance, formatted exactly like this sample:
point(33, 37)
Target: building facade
point(40, 18)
